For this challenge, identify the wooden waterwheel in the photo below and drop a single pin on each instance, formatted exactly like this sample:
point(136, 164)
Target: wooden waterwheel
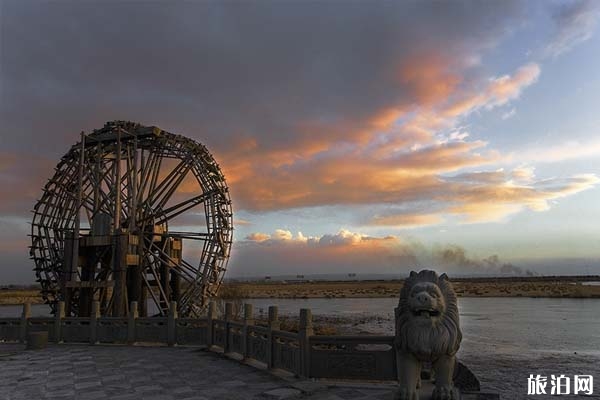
point(132, 213)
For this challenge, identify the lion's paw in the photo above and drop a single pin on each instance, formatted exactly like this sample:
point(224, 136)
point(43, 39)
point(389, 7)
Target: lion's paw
point(445, 392)
point(404, 393)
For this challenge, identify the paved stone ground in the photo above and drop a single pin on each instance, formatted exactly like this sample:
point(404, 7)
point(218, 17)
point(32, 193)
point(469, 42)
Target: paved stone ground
point(85, 372)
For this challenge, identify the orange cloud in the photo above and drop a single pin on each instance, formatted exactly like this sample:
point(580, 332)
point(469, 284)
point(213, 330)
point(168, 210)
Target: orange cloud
point(407, 220)
point(498, 91)
point(258, 237)
point(487, 197)
point(399, 152)
point(419, 175)
point(429, 77)
point(394, 155)
point(343, 237)
point(478, 202)
point(242, 222)
point(353, 177)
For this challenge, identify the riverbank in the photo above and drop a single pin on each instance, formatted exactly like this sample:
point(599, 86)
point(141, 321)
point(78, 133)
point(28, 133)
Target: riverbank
point(380, 289)
point(20, 296)
point(549, 287)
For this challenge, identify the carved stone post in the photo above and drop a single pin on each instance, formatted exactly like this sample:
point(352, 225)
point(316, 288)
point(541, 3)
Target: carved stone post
point(172, 324)
point(58, 320)
point(94, 315)
point(248, 321)
point(274, 325)
point(210, 330)
point(25, 315)
point(228, 317)
point(133, 315)
point(305, 331)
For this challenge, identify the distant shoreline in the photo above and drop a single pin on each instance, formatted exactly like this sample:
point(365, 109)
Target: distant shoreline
point(548, 287)
point(376, 289)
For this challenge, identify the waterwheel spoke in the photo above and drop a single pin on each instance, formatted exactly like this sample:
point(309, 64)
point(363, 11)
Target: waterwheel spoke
point(181, 207)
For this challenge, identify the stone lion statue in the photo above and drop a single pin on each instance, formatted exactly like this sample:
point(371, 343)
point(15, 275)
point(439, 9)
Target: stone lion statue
point(427, 330)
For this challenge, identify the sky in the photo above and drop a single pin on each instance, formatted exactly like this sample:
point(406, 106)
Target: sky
point(364, 137)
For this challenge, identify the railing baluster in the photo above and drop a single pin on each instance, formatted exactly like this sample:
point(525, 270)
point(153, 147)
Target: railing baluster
point(274, 324)
point(212, 315)
point(248, 321)
point(172, 324)
point(133, 315)
point(25, 315)
point(228, 318)
point(305, 331)
point(58, 320)
point(94, 315)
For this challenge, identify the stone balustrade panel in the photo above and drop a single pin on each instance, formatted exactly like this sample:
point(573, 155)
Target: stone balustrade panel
point(151, 330)
point(353, 357)
point(286, 351)
point(112, 330)
point(75, 330)
point(190, 331)
point(10, 329)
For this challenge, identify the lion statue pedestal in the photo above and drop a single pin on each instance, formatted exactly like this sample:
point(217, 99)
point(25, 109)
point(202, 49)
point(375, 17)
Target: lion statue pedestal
point(427, 332)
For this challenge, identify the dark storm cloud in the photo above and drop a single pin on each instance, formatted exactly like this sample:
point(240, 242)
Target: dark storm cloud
point(218, 69)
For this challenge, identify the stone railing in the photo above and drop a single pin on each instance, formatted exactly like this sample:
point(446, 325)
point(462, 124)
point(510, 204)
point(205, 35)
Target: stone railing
point(302, 353)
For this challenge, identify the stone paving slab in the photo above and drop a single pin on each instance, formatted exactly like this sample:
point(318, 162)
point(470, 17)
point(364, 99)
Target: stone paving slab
point(83, 372)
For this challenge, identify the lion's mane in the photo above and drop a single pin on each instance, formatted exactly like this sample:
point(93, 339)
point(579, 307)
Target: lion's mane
point(430, 341)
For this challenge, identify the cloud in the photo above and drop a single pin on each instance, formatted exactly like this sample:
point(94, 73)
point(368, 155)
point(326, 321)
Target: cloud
point(22, 176)
point(347, 251)
point(407, 220)
point(454, 256)
point(343, 237)
point(14, 230)
point(523, 173)
point(276, 67)
point(242, 222)
point(353, 177)
point(409, 176)
point(486, 203)
point(575, 22)
point(401, 160)
point(319, 123)
point(281, 234)
point(568, 150)
point(303, 104)
point(499, 91)
point(344, 251)
point(258, 237)
point(488, 196)
point(261, 104)
point(509, 114)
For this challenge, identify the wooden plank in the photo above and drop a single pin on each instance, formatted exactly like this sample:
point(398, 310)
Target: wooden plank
point(89, 241)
